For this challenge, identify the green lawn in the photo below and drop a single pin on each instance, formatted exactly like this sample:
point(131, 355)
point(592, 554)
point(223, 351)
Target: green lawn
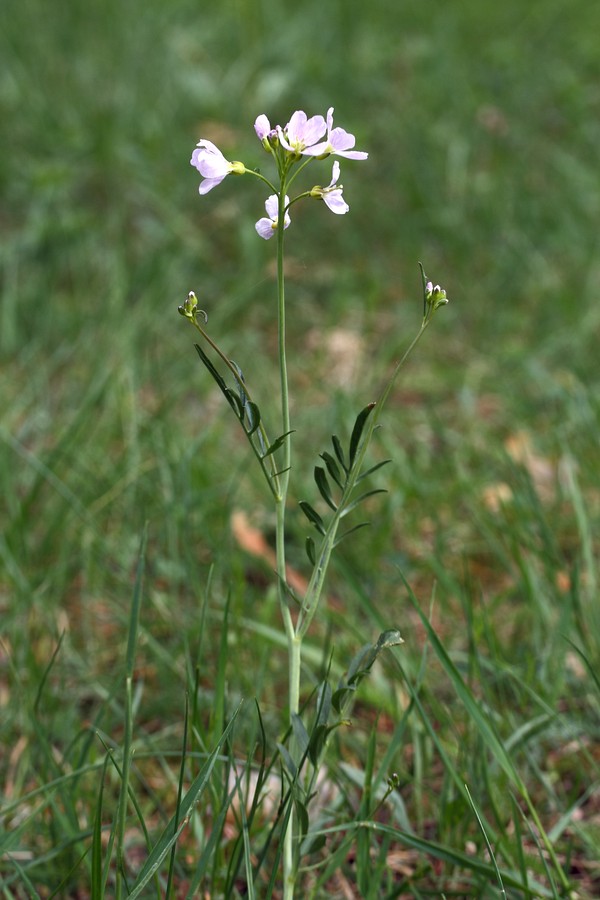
point(482, 124)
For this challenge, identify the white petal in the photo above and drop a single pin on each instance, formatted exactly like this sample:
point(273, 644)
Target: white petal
point(336, 202)
point(335, 174)
point(265, 229)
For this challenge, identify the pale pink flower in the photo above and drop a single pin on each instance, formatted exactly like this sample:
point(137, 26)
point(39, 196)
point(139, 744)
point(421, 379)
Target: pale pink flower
point(301, 132)
point(332, 195)
point(212, 165)
point(338, 142)
point(266, 227)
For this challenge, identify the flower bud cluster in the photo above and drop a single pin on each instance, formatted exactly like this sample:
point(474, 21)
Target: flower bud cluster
point(435, 296)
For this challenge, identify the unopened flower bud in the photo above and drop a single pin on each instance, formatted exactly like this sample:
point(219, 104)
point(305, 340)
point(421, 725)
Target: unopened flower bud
point(189, 308)
point(435, 296)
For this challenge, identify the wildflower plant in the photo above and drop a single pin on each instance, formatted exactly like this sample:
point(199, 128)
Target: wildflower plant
point(341, 479)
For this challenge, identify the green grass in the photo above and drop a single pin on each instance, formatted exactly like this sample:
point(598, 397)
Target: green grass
point(482, 124)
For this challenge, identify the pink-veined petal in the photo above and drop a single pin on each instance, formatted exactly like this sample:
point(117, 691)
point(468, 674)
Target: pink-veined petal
point(335, 173)
point(272, 207)
point(300, 132)
point(340, 139)
point(209, 183)
point(207, 147)
point(294, 127)
point(352, 154)
point(314, 130)
point(324, 147)
point(265, 229)
point(336, 202)
point(211, 167)
point(209, 160)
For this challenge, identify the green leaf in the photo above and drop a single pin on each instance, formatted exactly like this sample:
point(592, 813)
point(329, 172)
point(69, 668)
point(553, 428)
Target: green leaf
point(211, 368)
point(337, 446)
point(361, 662)
point(360, 499)
point(242, 381)
point(337, 700)
point(303, 820)
point(350, 530)
point(323, 485)
point(323, 703)
point(253, 413)
point(300, 734)
point(313, 516)
point(321, 727)
point(277, 443)
point(374, 468)
point(232, 398)
point(333, 468)
point(235, 403)
point(311, 551)
point(358, 430)
point(286, 756)
point(318, 737)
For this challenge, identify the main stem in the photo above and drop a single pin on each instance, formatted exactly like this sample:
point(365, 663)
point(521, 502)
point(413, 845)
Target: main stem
point(294, 643)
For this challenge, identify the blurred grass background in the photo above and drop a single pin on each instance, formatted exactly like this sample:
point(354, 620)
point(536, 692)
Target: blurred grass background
point(482, 122)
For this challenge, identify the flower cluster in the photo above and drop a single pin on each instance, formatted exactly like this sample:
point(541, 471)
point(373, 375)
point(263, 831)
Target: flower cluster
point(302, 140)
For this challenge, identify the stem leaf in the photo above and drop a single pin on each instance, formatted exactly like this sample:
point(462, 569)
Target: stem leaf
point(253, 414)
point(360, 499)
point(235, 403)
point(350, 530)
point(337, 446)
point(303, 820)
point(218, 378)
point(374, 468)
point(333, 468)
point(323, 485)
point(286, 756)
point(277, 443)
point(313, 516)
point(358, 430)
point(300, 734)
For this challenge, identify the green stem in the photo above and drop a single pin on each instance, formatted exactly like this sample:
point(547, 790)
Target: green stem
point(294, 644)
point(285, 402)
point(284, 475)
